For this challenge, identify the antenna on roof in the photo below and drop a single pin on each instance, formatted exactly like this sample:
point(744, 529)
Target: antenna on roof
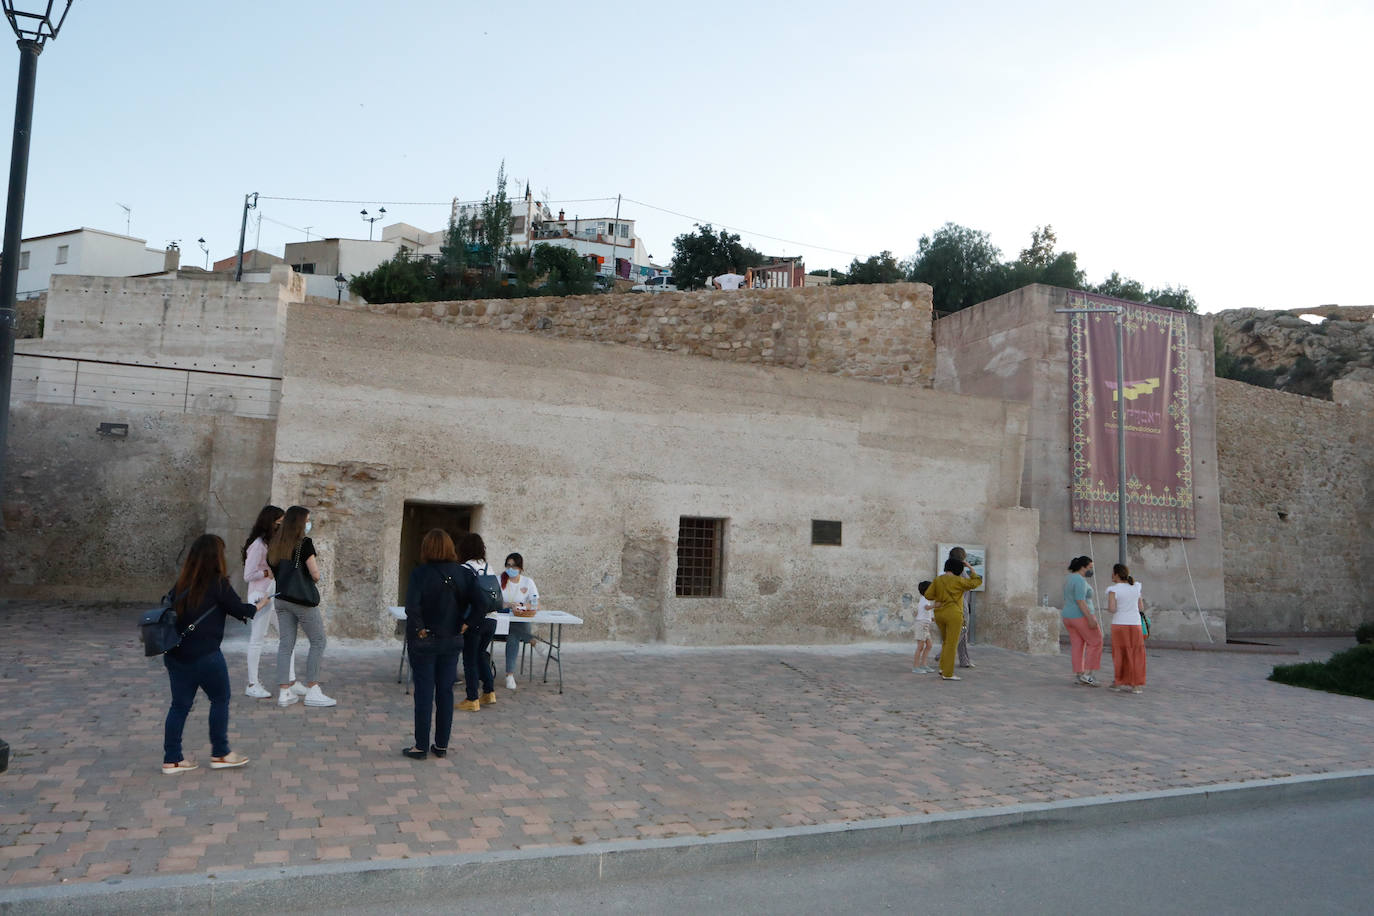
point(128, 215)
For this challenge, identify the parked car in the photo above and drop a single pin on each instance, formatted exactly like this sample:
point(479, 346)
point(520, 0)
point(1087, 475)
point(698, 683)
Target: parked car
point(656, 285)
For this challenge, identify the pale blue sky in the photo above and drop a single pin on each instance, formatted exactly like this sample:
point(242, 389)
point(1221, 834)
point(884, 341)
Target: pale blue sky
point(1221, 145)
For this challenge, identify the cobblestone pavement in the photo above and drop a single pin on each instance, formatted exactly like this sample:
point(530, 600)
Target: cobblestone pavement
point(646, 742)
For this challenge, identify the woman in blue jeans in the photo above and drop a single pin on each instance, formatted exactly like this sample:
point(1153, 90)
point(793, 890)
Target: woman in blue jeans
point(202, 598)
point(436, 596)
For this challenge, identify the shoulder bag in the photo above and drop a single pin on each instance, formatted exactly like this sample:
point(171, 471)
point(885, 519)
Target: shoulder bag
point(158, 627)
point(294, 583)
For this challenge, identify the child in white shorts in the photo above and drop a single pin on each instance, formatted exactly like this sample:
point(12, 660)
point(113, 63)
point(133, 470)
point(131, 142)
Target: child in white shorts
point(925, 617)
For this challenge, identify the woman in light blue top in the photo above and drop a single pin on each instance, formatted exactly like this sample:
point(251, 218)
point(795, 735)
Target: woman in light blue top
point(1080, 619)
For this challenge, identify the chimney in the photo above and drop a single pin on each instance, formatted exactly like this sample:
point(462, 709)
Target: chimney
point(171, 258)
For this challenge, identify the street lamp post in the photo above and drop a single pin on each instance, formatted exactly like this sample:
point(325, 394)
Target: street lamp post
point(33, 28)
point(205, 248)
point(341, 284)
point(1120, 313)
point(372, 219)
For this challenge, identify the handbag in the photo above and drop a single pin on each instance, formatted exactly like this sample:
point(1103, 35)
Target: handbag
point(1144, 626)
point(158, 627)
point(294, 584)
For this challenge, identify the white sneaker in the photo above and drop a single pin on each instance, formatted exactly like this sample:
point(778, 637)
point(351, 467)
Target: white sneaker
point(315, 697)
point(299, 689)
point(510, 682)
point(286, 697)
point(257, 692)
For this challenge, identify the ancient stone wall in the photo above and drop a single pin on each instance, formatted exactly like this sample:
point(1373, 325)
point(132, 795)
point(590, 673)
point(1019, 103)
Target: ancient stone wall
point(877, 333)
point(1297, 481)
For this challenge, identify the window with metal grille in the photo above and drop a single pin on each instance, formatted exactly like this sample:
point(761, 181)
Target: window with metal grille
point(825, 534)
point(699, 543)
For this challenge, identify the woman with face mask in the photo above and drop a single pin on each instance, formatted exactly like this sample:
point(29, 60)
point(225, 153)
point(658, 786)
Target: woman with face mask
point(257, 576)
point(517, 591)
point(1080, 619)
point(290, 547)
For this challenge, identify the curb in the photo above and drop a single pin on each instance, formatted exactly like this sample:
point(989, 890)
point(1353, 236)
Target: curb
point(396, 883)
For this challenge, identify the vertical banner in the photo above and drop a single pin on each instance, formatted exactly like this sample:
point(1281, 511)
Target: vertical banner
point(1155, 404)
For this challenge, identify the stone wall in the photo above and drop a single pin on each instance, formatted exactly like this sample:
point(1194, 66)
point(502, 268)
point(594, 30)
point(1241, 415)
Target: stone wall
point(585, 457)
point(1015, 347)
point(878, 333)
point(102, 518)
point(1297, 499)
point(28, 320)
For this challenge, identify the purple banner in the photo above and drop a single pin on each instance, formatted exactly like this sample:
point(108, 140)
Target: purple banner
point(1159, 461)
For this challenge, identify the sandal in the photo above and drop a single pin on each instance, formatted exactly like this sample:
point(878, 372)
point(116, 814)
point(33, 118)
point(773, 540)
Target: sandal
point(181, 766)
point(414, 753)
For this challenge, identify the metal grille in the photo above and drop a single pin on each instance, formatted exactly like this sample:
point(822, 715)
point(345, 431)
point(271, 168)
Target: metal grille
point(699, 557)
point(826, 534)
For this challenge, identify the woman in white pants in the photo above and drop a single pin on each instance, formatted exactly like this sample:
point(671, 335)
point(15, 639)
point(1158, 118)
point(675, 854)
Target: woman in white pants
point(257, 576)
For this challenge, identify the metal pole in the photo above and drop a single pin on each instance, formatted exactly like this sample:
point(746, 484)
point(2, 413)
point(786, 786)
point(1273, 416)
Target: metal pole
point(14, 224)
point(615, 268)
point(1121, 434)
point(243, 233)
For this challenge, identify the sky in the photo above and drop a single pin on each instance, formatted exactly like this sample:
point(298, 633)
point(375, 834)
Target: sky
point(1221, 146)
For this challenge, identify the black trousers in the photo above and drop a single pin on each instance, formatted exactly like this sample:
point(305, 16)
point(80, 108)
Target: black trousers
point(476, 665)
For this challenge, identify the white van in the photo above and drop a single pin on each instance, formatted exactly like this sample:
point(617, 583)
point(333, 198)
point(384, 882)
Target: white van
point(656, 285)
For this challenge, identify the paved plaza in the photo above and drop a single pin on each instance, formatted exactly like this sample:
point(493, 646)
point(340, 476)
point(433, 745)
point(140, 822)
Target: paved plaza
point(646, 742)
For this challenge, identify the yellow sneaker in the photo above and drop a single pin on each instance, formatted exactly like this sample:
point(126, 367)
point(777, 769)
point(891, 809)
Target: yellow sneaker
point(470, 705)
point(488, 698)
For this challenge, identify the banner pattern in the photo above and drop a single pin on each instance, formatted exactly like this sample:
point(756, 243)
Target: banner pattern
point(1159, 459)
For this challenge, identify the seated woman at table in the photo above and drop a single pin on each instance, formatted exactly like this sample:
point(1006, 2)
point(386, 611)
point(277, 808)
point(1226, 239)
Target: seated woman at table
point(517, 591)
point(434, 620)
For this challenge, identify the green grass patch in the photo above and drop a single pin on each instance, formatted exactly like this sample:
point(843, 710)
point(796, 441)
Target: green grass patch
point(1350, 672)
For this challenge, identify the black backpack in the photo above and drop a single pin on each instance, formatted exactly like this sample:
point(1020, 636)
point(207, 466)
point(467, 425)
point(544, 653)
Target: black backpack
point(488, 591)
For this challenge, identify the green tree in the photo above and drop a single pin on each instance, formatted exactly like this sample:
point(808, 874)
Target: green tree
point(493, 228)
point(960, 264)
point(878, 268)
point(706, 253)
point(565, 272)
point(403, 278)
point(1169, 297)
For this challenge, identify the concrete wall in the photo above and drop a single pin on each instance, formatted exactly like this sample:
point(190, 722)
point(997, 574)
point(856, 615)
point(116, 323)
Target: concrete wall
point(109, 519)
point(878, 333)
point(1297, 499)
point(1015, 347)
point(584, 457)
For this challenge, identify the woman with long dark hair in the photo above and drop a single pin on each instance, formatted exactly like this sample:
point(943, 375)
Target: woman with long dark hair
point(437, 596)
point(257, 576)
point(1080, 619)
point(518, 592)
point(1128, 639)
point(291, 548)
point(478, 629)
point(202, 597)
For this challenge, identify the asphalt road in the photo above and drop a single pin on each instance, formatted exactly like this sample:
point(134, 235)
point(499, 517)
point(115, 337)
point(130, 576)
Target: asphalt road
point(1309, 858)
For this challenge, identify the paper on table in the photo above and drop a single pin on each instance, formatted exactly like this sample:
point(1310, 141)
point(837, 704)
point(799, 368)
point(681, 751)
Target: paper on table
point(502, 624)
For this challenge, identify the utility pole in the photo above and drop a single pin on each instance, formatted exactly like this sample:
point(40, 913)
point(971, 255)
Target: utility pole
point(615, 268)
point(250, 202)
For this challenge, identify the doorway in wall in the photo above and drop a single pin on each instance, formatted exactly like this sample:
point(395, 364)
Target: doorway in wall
point(417, 521)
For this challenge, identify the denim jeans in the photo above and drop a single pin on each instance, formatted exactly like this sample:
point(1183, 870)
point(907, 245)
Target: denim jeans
point(208, 673)
point(312, 622)
point(476, 664)
point(434, 677)
point(519, 633)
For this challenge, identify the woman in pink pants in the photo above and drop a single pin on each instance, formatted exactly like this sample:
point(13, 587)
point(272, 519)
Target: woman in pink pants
point(1080, 619)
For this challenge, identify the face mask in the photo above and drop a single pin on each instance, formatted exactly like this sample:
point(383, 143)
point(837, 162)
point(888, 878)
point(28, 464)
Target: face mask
point(308, 526)
point(1087, 573)
point(512, 572)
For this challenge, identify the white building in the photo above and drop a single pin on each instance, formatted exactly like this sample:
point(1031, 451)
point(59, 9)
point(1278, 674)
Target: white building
point(89, 252)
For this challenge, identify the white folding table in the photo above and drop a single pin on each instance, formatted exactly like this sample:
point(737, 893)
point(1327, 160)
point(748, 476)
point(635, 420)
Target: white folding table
point(555, 620)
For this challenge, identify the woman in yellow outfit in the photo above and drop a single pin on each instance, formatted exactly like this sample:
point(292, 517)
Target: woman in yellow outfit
point(947, 591)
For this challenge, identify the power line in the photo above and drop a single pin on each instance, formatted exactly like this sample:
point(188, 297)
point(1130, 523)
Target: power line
point(415, 203)
point(740, 229)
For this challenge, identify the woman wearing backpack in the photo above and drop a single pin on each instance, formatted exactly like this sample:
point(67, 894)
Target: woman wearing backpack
point(291, 550)
point(478, 629)
point(257, 576)
point(202, 597)
point(436, 596)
